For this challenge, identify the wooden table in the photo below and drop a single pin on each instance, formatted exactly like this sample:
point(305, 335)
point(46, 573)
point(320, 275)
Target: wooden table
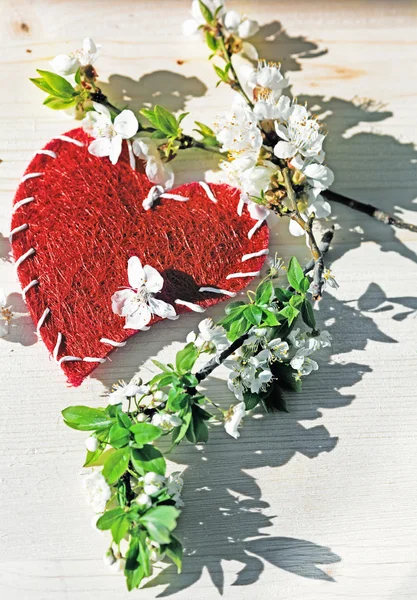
point(316, 504)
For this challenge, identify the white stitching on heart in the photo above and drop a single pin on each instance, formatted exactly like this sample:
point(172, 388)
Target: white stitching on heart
point(112, 342)
point(23, 202)
point(132, 159)
point(66, 138)
point(67, 359)
point(31, 176)
point(190, 305)
point(57, 345)
point(248, 274)
point(217, 291)
point(17, 230)
point(46, 153)
point(93, 359)
point(208, 191)
point(255, 228)
point(24, 256)
point(42, 320)
point(28, 287)
point(255, 254)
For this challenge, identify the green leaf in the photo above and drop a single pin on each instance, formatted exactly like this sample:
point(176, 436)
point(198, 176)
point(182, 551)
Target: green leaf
point(289, 312)
point(77, 77)
point(134, 571)
point(118, 436)
point(295, 301)
point(186, 358)
point(221, 74)
point(177, 400)
point(283, 295)
point(174, 551)
point(120, 528)
point(179, 432)
point(61, 87)
point(58, 103)
point(205, 130)
point(181, 117)
point(161, 366)
point(307, 314)
point(85, 418)
point(123, 419)
point(206, 12)
point(145, 433)
point(107, 520)
point(211, 41)
point(304, 285)
point(150, 115)
point(92, 457)
point(166, 121)
point(198, 431)
point(42, 85)
point(253, 314)
point(251, 400)
point(269, 318)
point(148, 459)
point(163, 379)
point(264, 292)
point(234, 314)
point(238, 328)
point(160, 521)
point(116, 465)
point(233, 305)
point(144, 557)
point(295, 274)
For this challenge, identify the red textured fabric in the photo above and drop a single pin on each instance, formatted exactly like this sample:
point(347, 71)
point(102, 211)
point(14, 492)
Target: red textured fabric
point(84, 223)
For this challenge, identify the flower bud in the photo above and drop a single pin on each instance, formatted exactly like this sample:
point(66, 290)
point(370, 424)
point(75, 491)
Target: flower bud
point(91, 443)
point(109, 558)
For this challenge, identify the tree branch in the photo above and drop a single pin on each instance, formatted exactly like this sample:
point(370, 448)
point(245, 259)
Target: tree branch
point(369, 209)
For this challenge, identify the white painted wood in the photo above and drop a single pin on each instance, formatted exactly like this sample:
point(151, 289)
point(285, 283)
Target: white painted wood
point(326, 492)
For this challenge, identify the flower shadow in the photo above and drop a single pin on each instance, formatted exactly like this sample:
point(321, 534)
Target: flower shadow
point(169, 89)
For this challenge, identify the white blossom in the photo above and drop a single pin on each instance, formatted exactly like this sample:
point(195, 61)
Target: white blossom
point(157, 171)
point(118, 566)
point(240, 26)
point(165, 421)
point(66, 64)
point(302, 363)
point(238, 133)
point(329, 280)
point(209, 334)
point(122, 391)
point(137, 303)
point(92, 443)
point(278, 349)
point(191, 26)
point(5, 314)
point(109, 558)
point(301, 134)
point(98, 490)
point(233, 419)
point(265, 81)
point(109, 135)
point(174, 488)
point(144, 500)
point(152, 483)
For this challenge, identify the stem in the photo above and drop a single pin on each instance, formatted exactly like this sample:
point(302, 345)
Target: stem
point(370, 210)
point(237, 85)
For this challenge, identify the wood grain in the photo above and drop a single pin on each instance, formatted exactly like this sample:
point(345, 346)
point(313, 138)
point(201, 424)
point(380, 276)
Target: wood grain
point(315, 504)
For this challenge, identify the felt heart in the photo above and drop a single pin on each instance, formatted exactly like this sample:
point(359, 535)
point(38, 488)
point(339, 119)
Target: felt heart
point(77, 220)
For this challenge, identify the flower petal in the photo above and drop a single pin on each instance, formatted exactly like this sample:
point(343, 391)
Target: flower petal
point(162, 309)
point(115, 149)
point(296, 229)
point(153, 281)
point(103, 110)
point(119, 299)
point(135, 272)
point(64, 64)
point(285, 150)
point(100, 147)
point(126, 124)
point(139, 318)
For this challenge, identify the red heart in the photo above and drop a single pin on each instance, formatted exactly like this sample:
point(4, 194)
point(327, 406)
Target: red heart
point(78, 218)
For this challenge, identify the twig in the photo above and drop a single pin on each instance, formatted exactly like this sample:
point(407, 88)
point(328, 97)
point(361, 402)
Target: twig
point(323, 247)
point(370, 210)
